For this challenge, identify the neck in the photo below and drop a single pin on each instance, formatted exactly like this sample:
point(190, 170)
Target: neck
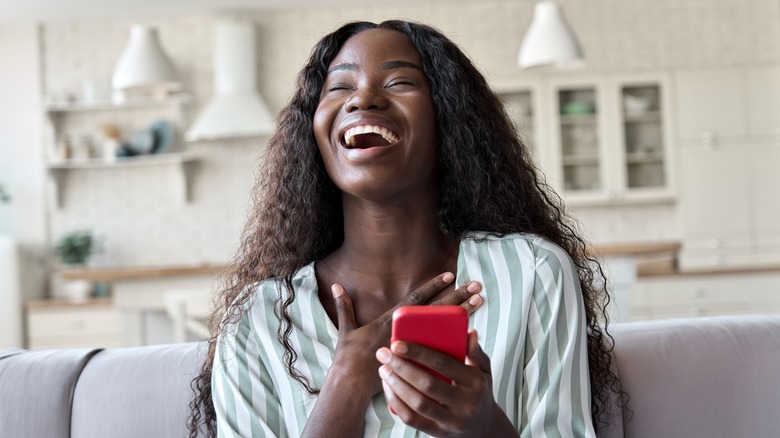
point(392, 248)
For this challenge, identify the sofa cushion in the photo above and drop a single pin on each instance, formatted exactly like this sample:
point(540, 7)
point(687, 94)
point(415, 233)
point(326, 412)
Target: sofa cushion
point(136, 392)
point(36, 390)
point(701, 377)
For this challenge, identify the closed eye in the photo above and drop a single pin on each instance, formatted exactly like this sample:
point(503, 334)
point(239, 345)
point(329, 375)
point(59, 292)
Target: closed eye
point(339, 88)
point(402, 83)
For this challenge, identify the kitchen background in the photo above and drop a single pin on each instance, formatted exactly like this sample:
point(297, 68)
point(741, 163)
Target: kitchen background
point(191, 213)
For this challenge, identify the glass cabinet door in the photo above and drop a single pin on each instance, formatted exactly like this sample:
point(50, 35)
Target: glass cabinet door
point(643, 137)
point(579, 140)
point(519, 106)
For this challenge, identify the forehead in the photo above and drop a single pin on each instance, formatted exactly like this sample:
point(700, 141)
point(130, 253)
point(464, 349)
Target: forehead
point(377, 45)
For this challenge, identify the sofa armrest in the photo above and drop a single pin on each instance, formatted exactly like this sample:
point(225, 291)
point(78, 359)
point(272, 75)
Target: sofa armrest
point(136, 392)
point(36, 390)
point(701, 377)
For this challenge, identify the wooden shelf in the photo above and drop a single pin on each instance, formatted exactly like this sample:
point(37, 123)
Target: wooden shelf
point(59, 303)
point(636, 248)
point(58, 170)
point(114, 274)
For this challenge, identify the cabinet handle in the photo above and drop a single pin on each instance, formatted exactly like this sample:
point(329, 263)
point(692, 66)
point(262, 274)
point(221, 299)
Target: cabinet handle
point(697, 292)
point(77, 324)
point(709, 140)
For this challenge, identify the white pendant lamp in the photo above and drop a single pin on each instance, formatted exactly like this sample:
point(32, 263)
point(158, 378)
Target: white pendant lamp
point(144, 68)
point(236, 110)
point(550, 41)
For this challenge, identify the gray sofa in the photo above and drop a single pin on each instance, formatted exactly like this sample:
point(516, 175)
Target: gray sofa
point(705, 377)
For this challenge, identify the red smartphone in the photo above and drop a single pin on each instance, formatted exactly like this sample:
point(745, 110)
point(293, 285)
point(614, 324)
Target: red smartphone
point(442, 328)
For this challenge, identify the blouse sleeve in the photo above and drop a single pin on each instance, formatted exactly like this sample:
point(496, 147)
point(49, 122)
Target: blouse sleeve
point(556, 384)
point(245, 399)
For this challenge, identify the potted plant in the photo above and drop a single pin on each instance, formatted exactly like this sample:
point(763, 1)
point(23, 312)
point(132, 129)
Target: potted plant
point(74, 249)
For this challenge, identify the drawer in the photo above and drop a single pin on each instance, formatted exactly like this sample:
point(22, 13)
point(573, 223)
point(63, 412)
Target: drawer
point(717, 243)
point(701, 309)
point(103, 340)
point(76, 322)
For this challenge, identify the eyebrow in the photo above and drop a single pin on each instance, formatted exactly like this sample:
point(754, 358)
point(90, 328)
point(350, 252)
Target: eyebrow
point(384, 66)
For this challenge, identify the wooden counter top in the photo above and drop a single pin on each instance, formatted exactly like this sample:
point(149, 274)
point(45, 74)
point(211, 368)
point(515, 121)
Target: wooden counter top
point(150, 272)
point(139, 273)
point(636, 249)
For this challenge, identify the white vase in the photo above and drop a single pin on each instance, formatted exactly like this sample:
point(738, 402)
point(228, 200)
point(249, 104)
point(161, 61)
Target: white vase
point(77, 290)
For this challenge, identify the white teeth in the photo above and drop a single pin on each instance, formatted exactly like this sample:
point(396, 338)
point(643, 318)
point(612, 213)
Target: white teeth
point(349, 136)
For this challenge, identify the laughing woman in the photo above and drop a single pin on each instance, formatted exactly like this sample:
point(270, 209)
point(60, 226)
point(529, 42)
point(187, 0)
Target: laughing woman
point(395, 178)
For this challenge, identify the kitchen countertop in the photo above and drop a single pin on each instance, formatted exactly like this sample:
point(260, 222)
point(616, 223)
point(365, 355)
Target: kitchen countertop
point(146, 272)
point(150, 272)
point(634, 249)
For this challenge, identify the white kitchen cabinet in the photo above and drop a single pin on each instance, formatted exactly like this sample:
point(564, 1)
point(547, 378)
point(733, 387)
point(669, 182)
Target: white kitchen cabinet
point(763, 103)
point(765, 197)
point(611, 139)
point(734, 293)
point(728, 105)
point(715, 190)
point(522, 101)
point(710, 106)
point(92, 324)
point(729, 205)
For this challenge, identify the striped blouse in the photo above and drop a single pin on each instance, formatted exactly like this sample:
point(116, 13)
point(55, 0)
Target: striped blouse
point(531, 324)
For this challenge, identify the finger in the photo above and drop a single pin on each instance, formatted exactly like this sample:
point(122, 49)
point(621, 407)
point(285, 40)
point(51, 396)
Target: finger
point(474, 354)
point(460, 295)
point(472, 304)
point(407, 415)
point(413, 407)
point(433, 387)
point(345, 313)
point(422, 294)
point(442, 363)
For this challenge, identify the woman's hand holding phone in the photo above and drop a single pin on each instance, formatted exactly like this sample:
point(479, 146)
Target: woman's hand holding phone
point(465, 407)
point(356, 345)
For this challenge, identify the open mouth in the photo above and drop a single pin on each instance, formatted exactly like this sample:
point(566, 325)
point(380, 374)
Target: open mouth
point(369, 136)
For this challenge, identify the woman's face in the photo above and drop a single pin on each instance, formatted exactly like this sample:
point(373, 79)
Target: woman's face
point(375, 123)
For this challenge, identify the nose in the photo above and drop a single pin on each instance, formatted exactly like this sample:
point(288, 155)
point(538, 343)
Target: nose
point(365, 98)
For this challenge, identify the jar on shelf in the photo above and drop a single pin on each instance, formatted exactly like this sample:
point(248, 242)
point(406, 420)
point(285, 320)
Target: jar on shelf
point(64, 148)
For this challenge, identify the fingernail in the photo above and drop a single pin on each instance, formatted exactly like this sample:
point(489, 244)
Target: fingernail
point(475, 299)
point(384, 372)
point(399, 347)
point(337, 291)
point(447, 277)
point(473, 287)
point(382, 355)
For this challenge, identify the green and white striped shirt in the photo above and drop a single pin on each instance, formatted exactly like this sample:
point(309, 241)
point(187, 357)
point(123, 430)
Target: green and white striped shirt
point(531, 324)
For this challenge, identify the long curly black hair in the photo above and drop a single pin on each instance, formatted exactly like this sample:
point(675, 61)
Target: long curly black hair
point(487, 182)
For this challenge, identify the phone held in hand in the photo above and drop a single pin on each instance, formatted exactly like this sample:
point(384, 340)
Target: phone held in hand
point(442, 328)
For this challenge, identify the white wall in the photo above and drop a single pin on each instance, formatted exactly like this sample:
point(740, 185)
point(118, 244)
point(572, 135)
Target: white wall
point(22, 173)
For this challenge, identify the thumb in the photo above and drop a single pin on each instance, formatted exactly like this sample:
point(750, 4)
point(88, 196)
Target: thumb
point(474, 354)
point(345, 313)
